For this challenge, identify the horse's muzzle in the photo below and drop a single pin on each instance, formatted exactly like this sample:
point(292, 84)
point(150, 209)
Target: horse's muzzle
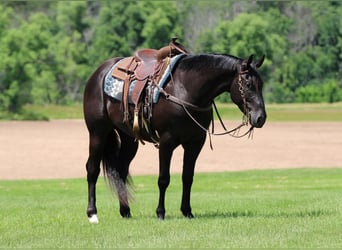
point(257, 119)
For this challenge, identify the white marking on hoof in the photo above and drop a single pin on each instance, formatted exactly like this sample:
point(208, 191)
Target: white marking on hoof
point(93, 219)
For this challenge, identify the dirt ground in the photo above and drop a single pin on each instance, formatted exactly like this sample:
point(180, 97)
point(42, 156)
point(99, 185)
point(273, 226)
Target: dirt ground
point(58, 149)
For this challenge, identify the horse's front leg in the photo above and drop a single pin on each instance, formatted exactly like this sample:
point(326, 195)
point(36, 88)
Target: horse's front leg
point(166, 147)
point(191, 152)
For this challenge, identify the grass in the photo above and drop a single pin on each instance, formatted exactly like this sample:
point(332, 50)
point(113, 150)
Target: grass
point(276, 112)
point(296, 112)
point(72, 111)
point(45, 112)
point(299, 208)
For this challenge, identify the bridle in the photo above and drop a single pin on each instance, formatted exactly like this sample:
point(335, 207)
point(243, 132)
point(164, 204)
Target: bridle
point(242, 87)
point(233, 132)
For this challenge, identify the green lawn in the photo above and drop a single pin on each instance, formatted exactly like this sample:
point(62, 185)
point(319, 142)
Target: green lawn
point(297, 112)
point(276, 112)
point(299, 208)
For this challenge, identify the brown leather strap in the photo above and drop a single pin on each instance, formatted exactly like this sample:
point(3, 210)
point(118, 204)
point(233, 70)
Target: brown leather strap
point(129, 67)
point(125, 98)
point(138, 89)
point(123, 68)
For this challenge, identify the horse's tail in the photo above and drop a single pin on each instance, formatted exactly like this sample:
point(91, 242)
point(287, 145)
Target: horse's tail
point(114, 170)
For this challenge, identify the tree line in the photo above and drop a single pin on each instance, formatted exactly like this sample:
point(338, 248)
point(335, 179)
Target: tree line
point(48, 49)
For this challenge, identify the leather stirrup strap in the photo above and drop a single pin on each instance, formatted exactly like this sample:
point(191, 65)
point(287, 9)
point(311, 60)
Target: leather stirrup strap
point(125, 98)
point(129, 70)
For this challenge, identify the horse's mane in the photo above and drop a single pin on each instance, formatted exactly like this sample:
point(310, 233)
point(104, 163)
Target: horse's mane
point(208, 62)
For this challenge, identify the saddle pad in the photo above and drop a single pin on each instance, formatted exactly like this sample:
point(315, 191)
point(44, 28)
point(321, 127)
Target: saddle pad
point(165, 76)
point(113, 87)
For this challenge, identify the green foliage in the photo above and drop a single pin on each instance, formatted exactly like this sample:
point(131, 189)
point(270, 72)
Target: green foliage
point(71, 60)
point(49, 49)
point(329, 92)
point(257, 37)
point(112, 31)
point(299, 208)
point(161, 23)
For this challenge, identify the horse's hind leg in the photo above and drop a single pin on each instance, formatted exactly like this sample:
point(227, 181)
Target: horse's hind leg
point(96, 143)
point(117, 165)
point(129, 147)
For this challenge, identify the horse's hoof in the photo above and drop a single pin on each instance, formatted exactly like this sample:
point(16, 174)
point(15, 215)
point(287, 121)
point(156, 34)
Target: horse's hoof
point(161, 217)
point(126, 216)
point(93, 219)
point(160, 213)
point(188, 215)
point(125, 212)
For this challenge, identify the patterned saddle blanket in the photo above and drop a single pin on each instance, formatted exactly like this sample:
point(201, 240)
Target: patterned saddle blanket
point(113, 87)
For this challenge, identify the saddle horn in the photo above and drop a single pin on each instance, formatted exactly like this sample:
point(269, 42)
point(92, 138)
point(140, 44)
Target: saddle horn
point(174, 48)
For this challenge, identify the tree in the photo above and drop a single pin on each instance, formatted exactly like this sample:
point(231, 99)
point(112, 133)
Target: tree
point(24, 57)
point(161, 23)
point(248, 34)
point(6, 90)
point(49, 49)
point(115, 26)
point(71, 60)
point(312, 56)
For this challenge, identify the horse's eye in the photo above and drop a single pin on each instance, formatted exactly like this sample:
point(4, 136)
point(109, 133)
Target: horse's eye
point(248, 81)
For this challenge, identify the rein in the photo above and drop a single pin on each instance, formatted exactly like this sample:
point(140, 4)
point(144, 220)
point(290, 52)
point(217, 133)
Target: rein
point(233, 132)
point(186, 106)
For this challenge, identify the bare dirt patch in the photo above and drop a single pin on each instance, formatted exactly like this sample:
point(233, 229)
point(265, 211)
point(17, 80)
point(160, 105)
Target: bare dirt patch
point(58, 149)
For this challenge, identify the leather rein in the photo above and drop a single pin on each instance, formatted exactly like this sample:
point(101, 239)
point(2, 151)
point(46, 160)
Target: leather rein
point(187, 106)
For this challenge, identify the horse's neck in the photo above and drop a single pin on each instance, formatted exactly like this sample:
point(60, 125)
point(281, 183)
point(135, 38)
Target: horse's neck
point(207, 76)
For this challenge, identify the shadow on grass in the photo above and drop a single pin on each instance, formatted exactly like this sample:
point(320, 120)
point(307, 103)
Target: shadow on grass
point(251, 214)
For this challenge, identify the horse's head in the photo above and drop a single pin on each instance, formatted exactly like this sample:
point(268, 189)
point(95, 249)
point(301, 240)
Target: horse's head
point(246, 91)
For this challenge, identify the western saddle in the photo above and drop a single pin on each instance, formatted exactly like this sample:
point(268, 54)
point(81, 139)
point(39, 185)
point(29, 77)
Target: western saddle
point(145, 68)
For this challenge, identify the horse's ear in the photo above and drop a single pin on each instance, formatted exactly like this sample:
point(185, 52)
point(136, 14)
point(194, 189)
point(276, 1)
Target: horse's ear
point(249, 60)
point(246, 63)
point(260, 62)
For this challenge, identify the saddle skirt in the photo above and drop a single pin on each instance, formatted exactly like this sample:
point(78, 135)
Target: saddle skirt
point(113, 86)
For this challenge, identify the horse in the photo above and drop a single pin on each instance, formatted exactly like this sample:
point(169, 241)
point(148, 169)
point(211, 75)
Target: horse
point(181, 117)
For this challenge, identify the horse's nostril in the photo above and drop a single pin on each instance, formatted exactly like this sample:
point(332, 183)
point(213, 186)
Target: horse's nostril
point(259, 120)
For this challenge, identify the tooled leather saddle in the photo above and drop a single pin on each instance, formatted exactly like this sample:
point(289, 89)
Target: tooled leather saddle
point(144, 68)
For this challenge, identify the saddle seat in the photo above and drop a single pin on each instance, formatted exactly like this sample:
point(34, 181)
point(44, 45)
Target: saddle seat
point(151, 60)
point(146, 56)
point(147, 60)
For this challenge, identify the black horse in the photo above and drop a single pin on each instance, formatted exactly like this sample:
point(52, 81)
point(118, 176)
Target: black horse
point(180, 117)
